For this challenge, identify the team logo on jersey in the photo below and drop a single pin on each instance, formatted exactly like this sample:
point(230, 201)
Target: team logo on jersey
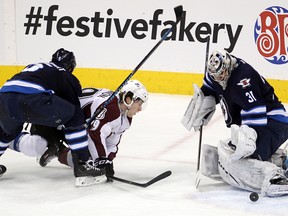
point(270, 34)
point(244, 83)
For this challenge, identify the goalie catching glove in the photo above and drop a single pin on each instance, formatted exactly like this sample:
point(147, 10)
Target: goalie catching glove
point(243, 138)
point(199, 111)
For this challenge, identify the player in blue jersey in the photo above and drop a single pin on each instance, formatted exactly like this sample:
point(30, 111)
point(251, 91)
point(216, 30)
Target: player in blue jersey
point(258, 121)
point(47, 94)
point(246, 98)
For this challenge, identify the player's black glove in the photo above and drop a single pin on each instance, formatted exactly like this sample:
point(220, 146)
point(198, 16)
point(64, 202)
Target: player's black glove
point(107, 165)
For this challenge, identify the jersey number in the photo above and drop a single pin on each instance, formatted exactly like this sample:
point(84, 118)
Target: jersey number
point(250, 96)
point(33, 67)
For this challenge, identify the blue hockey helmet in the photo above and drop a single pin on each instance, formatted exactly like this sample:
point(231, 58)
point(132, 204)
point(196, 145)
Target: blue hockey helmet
point(65, 58)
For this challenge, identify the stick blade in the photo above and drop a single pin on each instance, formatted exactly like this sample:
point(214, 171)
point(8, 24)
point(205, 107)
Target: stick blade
point(144, 185)
point(158, 178)
point(178, 12)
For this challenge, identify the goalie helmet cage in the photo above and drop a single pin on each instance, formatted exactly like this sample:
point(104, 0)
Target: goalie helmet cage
point(197, 181)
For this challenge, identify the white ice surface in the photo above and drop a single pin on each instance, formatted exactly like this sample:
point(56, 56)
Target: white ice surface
point(156, 142)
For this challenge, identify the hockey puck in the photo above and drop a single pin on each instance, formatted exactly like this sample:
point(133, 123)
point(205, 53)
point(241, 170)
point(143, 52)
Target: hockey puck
point(3, 169)
point(254, 196)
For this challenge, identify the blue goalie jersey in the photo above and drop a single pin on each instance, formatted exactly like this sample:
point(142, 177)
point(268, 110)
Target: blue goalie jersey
point(248, 98)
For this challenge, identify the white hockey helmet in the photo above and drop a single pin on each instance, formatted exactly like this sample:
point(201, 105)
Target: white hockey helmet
point(137, 91)
point(220, 65)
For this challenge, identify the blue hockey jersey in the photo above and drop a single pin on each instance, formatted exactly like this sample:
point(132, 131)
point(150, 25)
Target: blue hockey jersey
point(47, 78)
point(248, 98)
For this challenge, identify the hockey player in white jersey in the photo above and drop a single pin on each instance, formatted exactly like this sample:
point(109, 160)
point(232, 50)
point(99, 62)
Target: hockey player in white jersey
point(258, 122)
point(106, 130)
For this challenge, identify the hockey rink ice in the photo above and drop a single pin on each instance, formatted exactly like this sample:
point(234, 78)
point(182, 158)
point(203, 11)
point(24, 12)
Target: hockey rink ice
point(156, 142)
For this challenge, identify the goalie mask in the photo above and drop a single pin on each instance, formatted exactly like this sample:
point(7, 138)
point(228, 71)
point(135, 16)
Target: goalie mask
point(136, 91)
point(220, 66)
point(65, 59)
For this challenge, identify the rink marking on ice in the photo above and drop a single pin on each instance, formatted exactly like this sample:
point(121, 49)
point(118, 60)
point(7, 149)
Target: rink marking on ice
point(189, 135)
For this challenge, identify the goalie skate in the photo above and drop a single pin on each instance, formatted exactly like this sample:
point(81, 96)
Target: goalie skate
point(3, 169)
point(278, 187)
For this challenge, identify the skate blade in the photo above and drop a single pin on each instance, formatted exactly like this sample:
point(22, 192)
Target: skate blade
point(89, 180)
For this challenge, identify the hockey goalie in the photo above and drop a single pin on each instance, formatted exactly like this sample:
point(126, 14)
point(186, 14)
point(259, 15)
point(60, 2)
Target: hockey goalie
point(251, 158)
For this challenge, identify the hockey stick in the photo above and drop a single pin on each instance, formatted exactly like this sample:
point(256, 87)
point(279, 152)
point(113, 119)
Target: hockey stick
point(197, 181)
point(178, 12)
point(144, 185)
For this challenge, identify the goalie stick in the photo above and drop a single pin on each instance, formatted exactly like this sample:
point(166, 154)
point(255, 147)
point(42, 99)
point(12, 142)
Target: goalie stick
point(179, 13)
point(144, 185)
point(198, 172)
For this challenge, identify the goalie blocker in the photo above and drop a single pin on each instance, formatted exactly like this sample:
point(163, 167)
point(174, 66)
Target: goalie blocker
point(199, 111)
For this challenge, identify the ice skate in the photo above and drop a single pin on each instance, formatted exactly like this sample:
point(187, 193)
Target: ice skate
point(278, 187)
point(52, 152)
point(87, 173)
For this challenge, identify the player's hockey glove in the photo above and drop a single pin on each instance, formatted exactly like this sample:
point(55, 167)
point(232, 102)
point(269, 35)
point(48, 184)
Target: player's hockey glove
point(107, 165)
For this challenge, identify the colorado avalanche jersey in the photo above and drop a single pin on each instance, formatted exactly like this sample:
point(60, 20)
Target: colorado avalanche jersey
point(107, 129)
point(248, 98)
point(47, 78)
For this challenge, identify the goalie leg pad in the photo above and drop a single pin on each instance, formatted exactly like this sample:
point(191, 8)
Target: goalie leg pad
point(209, 162)
point(251, 174)
point(246, 174)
